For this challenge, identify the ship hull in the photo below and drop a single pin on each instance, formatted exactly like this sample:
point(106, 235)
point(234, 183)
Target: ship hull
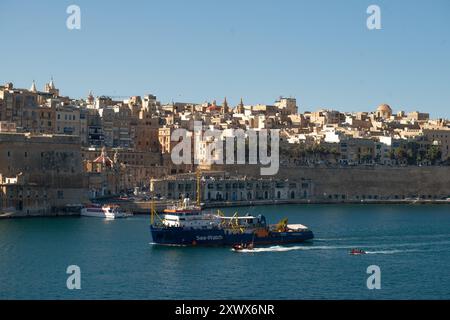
point(221, 237)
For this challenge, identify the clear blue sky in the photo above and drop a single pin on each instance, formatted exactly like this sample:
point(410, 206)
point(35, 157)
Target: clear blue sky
point(318, 51)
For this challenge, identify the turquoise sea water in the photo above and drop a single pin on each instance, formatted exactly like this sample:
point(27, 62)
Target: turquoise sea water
point(410, 244)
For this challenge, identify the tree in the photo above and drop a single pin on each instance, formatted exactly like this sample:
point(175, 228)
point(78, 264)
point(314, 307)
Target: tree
point(366, 157)
point(400, 154)
point(433, 154)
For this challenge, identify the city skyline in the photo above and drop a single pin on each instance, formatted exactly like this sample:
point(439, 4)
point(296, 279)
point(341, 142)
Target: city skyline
point(322, 54)
point(34, 87)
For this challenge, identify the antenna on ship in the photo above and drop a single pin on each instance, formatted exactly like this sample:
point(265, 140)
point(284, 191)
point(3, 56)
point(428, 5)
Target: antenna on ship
point(152, 204)
point(152, 211)
point(198, 173)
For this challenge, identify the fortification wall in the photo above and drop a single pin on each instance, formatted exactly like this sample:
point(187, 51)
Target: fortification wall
point(374, 182)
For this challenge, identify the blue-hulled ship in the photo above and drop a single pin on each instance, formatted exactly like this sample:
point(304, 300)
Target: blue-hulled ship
point(188, 225)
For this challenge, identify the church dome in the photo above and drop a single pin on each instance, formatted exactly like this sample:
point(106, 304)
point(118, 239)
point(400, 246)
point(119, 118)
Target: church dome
point(384, 108)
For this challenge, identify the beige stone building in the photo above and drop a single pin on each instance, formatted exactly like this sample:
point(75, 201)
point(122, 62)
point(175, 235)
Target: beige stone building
point(15, 102)
point(220, 186)
point(123, 169)
point(50, 165)
point(440, 137)
point(146, 132)
point(20, 197)
point(67, 120)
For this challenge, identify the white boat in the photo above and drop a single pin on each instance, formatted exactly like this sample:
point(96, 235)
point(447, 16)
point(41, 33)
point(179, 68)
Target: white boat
point(107, 211)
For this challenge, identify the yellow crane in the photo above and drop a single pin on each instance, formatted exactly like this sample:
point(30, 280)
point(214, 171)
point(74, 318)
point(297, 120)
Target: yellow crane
point(153, 212)
point(282, 225)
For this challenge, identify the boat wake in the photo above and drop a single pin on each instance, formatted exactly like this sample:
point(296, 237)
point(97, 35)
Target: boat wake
point(392, 251)
point(306, 248)
point(290, 248)
point(166, 245)
point(388, 237)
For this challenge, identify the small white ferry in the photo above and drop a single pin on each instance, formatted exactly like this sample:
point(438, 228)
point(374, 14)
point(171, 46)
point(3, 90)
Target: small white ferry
point(108, 211)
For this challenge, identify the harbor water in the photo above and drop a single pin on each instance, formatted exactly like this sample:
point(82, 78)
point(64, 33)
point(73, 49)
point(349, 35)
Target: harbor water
point(409, 243)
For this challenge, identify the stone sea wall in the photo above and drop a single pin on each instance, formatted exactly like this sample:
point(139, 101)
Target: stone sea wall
point(371, 182)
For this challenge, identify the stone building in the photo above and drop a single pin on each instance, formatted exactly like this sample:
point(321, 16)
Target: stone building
point(15, 102)
point(6, 126)
point(19, 197)
point(67, 120)
point(287, 106)
point(164, 137)
point(48, 165)
point(127, 168)
point(146, 131)
point(51, 88)
point(220, 186)
point(441, 138)
point(95, 135)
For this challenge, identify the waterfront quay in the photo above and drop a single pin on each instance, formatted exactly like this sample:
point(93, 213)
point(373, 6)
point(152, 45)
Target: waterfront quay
point(144, 207)
point(140, 207)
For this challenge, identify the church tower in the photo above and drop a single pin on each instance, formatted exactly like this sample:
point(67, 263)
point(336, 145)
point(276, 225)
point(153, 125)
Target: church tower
point(50, 88)
point(240, 107)
point(225, 108)
point(33, 87)
point(90, 98)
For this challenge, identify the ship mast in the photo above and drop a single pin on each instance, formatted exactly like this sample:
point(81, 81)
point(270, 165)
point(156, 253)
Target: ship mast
point(152, 204)
point(198, 173)
point(152, 212)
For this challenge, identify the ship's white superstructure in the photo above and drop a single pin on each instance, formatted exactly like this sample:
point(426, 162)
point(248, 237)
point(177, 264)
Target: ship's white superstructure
point(191, 217)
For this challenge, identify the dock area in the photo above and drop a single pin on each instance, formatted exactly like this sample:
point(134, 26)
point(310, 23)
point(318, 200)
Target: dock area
point(143, 207)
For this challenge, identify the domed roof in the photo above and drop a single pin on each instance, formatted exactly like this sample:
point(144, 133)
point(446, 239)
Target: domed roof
point(384, 108)
point(104, 159)
point(213, 108)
